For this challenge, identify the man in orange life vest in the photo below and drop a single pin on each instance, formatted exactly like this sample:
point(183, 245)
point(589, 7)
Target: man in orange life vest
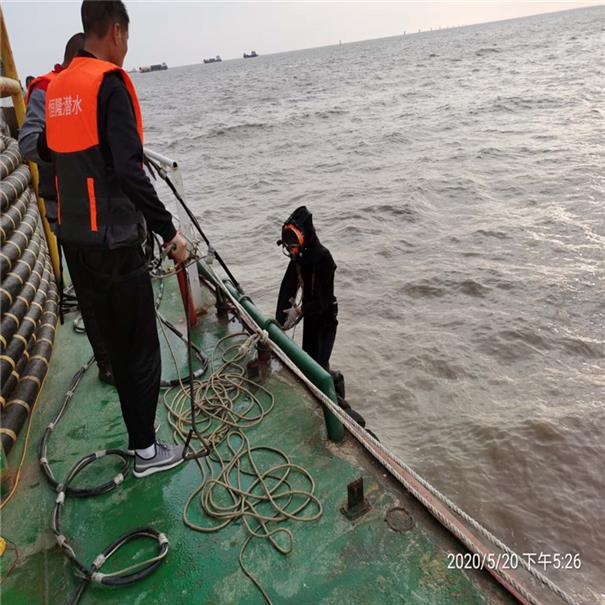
point(33, 126)
point(105, 204)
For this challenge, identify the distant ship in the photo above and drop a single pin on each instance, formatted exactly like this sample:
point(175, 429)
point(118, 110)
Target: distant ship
point(251, 55)
point(157, 67)
point(216, 59)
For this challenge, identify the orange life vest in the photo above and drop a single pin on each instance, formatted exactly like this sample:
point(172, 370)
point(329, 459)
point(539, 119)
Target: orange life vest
point(42, 81)
point(93, 210)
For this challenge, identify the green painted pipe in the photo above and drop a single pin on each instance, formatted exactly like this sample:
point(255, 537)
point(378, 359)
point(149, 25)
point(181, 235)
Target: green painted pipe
point(309, 367)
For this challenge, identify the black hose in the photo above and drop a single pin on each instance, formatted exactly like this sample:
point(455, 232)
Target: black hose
point(28, 296)
point(92, 573)
point(15, 282)
point(10, 156)
point(9, 221)
point(26, 327)
point(199, 354)
point(13, 186)
point(21, 299)
point(13, 247)
point(25, 392)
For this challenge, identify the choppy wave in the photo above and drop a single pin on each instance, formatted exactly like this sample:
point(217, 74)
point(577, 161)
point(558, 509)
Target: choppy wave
point(238, 129)
point(482, 52)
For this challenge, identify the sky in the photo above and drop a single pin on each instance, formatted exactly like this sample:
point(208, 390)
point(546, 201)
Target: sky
point(182, 33)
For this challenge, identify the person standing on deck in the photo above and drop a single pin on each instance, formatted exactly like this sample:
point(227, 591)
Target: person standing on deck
point(105, 204)
point(35, 120)
point(33, 126)
point(311, 269)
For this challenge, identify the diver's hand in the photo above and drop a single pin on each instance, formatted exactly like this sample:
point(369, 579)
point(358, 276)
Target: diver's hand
point(292, 315)
point(176, 249)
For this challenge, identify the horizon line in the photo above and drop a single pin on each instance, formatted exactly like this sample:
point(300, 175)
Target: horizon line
point(425, 31)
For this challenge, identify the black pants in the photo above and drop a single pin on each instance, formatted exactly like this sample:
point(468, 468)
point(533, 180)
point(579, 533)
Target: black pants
point(93, 332)
point(118, 287)
point(318, 341)
point(91, 325)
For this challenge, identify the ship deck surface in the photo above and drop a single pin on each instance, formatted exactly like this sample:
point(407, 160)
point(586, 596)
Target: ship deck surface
point(334, 560)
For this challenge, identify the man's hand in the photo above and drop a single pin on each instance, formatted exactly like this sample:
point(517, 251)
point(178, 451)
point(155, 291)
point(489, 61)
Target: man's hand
point(292, 315)
point(176, 249)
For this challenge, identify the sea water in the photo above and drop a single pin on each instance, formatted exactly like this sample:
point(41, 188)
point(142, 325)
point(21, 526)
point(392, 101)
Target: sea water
point(457, 178)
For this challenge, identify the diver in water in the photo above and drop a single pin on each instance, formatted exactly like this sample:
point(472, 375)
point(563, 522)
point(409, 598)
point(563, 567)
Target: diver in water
point(311, 269)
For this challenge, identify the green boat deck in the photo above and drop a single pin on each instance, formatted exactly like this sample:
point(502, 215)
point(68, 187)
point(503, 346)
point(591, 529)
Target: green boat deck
point(333, 560)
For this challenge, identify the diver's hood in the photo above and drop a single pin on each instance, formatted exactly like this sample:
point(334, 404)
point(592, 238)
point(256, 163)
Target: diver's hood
point(302, 219)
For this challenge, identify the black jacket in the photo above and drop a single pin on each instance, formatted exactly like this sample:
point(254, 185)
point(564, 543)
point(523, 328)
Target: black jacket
point(315, 267)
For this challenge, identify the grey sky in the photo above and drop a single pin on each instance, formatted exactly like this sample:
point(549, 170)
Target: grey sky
point(181, 33)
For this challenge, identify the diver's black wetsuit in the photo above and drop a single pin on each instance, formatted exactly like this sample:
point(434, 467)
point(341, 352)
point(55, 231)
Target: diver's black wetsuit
point(315, 268)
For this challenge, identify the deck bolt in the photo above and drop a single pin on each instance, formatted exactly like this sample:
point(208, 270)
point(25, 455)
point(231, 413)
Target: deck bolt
point(356, 505)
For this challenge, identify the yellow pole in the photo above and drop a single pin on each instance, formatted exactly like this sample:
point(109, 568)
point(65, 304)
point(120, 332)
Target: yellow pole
point(10, 71)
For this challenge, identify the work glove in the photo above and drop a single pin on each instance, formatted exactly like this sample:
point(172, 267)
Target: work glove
point(292, 315)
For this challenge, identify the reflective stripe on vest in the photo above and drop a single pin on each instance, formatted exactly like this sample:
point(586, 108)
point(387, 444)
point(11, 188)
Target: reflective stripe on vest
point(92, 203)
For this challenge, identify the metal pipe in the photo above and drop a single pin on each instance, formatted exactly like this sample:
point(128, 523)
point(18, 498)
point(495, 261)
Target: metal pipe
point(162, 159)
point(9, 87)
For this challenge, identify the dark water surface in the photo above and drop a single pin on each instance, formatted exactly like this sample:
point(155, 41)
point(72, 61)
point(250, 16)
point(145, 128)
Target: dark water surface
point(457, 177)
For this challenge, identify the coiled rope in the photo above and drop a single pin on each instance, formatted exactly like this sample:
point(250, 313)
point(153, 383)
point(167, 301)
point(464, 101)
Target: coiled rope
point(256, 484)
